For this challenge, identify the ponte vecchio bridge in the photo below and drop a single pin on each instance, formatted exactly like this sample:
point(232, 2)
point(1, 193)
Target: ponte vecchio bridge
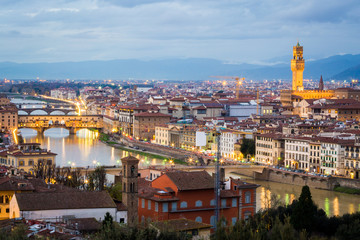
point(73, 123)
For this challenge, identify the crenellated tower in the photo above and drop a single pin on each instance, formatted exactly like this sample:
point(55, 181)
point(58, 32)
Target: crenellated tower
point(297, 67)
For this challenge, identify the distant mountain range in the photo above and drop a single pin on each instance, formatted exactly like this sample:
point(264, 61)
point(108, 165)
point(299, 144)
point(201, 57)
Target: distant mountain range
point(339, 67)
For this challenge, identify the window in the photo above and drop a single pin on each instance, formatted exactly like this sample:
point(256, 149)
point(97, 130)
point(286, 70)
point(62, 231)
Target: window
point(7, 210)
point(233, 220)
point(198, 219)
point(174, 206)
point(212, 202)
point(122, 220)
point(149, 204)
point(31, 162)
point(223, 202)
point(247, 197)
point(156, 207)
point(233, 203)
point(195, 232)
point(143, 203)
point(166, 207)
point(212, 220)
point(198, 203)
point(247, 215)
point(21, 163)
point(183, 204)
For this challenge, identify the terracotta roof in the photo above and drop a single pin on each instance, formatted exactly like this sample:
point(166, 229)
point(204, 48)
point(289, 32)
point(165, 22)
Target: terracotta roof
point(149, 114)
point(129, 158)
point(64, 200)
point(191, 180)
point(84, 224)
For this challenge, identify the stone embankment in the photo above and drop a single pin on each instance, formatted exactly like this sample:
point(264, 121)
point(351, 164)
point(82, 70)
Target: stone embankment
point(301, 179)
point(180, 154)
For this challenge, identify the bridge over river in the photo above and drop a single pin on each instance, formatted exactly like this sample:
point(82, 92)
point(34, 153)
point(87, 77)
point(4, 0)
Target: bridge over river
point(71, 122)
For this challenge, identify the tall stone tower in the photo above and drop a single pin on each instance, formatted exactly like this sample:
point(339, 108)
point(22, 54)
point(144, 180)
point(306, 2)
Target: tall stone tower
point(321, 84)
point(130, 188)
point(297, 67)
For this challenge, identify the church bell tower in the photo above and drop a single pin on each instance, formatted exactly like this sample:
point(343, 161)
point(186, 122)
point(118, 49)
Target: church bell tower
point(130, 188)
point(297, 67)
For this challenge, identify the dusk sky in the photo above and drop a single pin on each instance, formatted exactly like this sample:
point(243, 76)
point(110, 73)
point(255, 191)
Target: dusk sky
point(235, 31)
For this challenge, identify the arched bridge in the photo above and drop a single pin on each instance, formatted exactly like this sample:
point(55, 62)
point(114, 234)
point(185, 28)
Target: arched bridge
point(47, 110)
point(71, 122)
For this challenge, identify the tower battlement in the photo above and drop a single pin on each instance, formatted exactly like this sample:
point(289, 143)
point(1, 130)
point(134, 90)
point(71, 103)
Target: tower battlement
point(297, 67)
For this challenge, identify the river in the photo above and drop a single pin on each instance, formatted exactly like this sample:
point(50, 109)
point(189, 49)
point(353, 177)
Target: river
point(81, 150)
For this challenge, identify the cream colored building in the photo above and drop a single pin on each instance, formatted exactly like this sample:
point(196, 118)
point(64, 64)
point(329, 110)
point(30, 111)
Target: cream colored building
point(162, 135)
point(297, 154)
point(269, 149)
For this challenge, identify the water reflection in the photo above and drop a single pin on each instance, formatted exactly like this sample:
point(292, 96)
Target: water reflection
point(333, 203)
point(82, 150)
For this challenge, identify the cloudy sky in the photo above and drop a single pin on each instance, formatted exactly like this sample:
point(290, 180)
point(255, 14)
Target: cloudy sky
point(229, 30)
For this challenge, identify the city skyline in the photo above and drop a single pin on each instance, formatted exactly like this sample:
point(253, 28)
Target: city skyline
point(231, 31)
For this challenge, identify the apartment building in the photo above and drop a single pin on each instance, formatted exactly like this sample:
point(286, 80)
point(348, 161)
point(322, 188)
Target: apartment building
point(269, 148)
point(297, 153)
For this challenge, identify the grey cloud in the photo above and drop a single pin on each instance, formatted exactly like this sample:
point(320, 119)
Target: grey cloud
point(226, 29)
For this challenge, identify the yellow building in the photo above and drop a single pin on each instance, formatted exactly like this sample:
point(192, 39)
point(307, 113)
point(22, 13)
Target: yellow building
point(8, 187)
point(25, 157)
point(297, 93)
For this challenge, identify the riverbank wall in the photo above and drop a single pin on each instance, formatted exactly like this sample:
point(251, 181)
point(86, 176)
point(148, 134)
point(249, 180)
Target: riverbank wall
point(280, 176)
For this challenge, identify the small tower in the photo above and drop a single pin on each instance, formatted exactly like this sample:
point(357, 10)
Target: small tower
point(321, 84)
point(297, 67)
point(130, 188)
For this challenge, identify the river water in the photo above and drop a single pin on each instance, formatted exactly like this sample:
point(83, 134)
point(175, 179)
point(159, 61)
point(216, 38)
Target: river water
point(84, 149)
point(81, 150)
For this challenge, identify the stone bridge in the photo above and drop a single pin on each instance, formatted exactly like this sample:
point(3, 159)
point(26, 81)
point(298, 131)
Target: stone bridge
point(48, 110)
point(73, 123)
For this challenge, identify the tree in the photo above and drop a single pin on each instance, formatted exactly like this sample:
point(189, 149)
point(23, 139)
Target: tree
point(304, 211)
point(248, 147)
point(115, 191)
point(97, 179)
point(108, 220)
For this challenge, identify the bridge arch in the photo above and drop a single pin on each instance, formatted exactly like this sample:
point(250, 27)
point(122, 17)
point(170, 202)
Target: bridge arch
point(22, 112)
point(56, 112)
point(38, 112)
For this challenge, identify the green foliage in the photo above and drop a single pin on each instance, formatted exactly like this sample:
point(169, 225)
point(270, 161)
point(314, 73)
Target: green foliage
point(18, 233)
point(97, 179)
point(104, 137)
point(347, 190)
point(115, 191)
point(108, 221)
point(304, 211)
point(248, 147)
point(300, 220)
point(114, 231)
point(349, 231)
